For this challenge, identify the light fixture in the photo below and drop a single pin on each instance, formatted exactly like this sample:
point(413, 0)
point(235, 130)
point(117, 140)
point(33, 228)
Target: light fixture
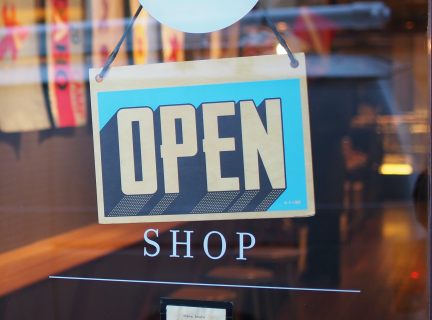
point(395, 169)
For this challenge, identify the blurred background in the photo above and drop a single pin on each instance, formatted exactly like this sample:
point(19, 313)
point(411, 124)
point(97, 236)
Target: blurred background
point(368, 67)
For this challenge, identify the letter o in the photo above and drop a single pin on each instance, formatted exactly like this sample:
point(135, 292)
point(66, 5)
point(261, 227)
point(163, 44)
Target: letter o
point(205, 245)
point(61, 79)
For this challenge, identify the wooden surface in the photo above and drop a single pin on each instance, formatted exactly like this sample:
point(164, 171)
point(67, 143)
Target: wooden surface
point(47, 185)
point(37, 261)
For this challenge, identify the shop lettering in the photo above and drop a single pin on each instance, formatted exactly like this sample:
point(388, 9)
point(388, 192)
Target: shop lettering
point(261, 138)
point(243, 237)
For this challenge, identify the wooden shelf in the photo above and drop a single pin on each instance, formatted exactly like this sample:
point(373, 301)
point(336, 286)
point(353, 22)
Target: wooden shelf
point(37, 261)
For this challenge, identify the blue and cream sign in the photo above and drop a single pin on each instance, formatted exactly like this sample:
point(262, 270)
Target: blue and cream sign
point(203, 140)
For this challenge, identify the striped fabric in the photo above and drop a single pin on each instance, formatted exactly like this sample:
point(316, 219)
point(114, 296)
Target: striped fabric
point(22, 104)
point(172, 44)
point(144, 36)
point(65, 63)
point(108, 27)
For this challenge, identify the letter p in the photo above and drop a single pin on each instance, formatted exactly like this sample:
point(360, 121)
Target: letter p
point(241, 244)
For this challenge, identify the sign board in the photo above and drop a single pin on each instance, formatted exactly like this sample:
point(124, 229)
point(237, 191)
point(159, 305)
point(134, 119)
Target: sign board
point(181, 309)
point(203, 140)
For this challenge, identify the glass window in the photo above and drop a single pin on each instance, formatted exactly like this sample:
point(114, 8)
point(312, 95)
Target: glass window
point(364, 254)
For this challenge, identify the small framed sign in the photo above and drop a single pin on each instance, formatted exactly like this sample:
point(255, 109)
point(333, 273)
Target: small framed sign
point(178, 309)
point(203, 140)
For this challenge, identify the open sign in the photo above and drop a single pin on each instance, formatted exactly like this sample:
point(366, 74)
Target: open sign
point(204, 140)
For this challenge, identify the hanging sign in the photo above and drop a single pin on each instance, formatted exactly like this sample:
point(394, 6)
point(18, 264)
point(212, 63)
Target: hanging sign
point(203, 140)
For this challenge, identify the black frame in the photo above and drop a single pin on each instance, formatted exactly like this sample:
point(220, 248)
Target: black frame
point(164, 302)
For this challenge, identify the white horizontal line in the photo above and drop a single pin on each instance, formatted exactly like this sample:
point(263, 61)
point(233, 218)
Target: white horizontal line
point(205, 284)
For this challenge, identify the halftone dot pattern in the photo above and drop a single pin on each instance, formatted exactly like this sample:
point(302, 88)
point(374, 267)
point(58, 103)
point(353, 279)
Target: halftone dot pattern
point(243, 201)
point(163, 203)
point(215, 202)
point(268, 201)
point(130, 205)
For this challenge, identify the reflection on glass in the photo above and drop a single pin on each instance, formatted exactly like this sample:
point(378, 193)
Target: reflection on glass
point(367, 65)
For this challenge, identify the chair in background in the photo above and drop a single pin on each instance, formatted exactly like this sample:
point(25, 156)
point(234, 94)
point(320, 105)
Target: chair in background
point(251, 276)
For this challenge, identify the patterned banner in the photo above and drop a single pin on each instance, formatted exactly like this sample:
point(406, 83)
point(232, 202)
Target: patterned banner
point(172, 44)
point(108, 27)
point(144, 36)
point(233, 37)
point(65, 63)
point(22, 104)
point(78, 69)
point(225, 43)
point(216, 45)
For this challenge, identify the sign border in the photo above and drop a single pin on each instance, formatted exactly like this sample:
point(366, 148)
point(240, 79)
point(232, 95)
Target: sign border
point(194, 73)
